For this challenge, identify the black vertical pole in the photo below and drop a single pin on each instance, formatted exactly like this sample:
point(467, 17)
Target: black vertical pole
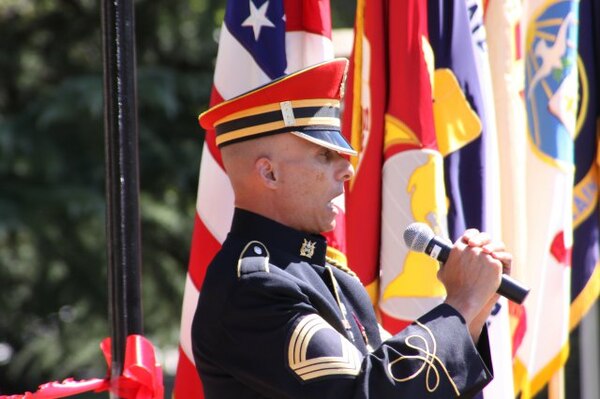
point(122, 181)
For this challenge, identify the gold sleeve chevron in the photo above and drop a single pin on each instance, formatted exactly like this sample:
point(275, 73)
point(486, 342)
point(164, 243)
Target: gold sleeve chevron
point(349, 363)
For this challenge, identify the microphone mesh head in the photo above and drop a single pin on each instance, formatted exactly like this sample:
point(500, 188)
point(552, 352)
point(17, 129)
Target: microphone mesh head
point(417, 236)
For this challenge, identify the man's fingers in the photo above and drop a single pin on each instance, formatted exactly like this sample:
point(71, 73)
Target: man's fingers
point(494, 246)
point(476, 238)
point(468, 234)
point(482, 242)
point(505, 258)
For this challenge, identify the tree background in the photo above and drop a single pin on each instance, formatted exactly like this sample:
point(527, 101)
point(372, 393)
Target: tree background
point(53, 265)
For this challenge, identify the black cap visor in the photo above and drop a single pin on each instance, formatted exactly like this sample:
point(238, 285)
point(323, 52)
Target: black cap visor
point(331, 139)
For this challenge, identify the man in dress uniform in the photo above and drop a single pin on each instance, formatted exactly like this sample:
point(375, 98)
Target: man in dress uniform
point(274, 318)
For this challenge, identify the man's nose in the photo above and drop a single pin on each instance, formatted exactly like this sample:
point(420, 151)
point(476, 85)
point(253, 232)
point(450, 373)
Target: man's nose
point(346, 169)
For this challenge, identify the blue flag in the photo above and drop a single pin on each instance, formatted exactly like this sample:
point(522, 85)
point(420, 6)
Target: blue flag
point(466, 168)
point(585, 277)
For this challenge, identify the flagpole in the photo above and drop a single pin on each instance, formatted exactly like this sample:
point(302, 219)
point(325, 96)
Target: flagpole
point(556, 385)
point(122, 181)
point(589, 353)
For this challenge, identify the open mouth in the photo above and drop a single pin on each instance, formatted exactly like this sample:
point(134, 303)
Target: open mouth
point(333, 207)
point(338, 200)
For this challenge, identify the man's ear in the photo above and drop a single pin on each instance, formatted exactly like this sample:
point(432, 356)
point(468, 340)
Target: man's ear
point(266, 171)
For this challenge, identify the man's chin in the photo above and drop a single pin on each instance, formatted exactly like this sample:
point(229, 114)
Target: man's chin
point(330, 227)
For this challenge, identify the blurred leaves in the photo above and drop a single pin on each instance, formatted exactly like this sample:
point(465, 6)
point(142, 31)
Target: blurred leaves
point(52, 189)
point(53, 297)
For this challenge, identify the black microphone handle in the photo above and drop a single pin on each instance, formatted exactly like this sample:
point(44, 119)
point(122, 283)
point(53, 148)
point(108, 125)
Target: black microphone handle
point(438, 249)
point(512, 290)
point(509, 288)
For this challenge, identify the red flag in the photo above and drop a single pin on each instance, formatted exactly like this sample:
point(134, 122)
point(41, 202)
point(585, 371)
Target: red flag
point(399, 175)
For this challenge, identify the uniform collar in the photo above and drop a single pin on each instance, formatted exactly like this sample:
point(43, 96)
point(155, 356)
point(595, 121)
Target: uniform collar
point(305, 247)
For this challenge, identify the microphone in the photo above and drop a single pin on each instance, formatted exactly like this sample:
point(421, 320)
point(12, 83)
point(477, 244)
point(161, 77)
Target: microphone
point(419, 238)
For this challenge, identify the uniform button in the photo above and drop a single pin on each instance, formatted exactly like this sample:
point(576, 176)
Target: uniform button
point(258, 250)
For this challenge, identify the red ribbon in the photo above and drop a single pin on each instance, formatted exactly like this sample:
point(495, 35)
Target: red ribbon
point(141, 377)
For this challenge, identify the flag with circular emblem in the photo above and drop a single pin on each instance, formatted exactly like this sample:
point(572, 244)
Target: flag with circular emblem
point(550, 93)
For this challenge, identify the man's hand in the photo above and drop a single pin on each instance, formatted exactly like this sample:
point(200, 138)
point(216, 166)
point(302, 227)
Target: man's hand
point(497, 250)
point(472, 276)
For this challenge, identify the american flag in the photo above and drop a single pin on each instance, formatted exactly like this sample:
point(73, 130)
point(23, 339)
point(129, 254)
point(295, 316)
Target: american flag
point(260, 40)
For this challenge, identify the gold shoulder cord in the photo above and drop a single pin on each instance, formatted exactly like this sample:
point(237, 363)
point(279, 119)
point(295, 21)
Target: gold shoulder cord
point(335, 263)
point(345, 322)
point(342, 266)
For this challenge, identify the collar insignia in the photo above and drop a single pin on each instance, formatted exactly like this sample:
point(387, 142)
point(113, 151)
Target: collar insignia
point(308, 248)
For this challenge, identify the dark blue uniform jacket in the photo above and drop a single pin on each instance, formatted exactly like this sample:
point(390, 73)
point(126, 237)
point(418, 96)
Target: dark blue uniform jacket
point(274, 320)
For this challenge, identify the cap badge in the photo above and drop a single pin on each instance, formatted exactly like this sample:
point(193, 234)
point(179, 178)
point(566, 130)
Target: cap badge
point(308, 248)
point(287, 112)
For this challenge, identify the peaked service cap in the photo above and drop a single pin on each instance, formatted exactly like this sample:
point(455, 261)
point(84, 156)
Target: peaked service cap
point(305, 103)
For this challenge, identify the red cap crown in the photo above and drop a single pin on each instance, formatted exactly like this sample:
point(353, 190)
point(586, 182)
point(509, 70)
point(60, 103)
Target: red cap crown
point(306, 103)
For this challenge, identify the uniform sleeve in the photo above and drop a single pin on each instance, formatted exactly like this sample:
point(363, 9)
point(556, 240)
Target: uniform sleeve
point(274, 342)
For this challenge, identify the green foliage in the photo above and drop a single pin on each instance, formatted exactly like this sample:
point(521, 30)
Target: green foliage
point(53, 297)
point(52, 197)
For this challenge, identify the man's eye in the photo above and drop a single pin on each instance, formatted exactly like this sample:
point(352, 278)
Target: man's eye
point(326, 154)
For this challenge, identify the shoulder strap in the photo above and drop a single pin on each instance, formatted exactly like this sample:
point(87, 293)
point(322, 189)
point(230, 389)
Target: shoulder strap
point(254, 258)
